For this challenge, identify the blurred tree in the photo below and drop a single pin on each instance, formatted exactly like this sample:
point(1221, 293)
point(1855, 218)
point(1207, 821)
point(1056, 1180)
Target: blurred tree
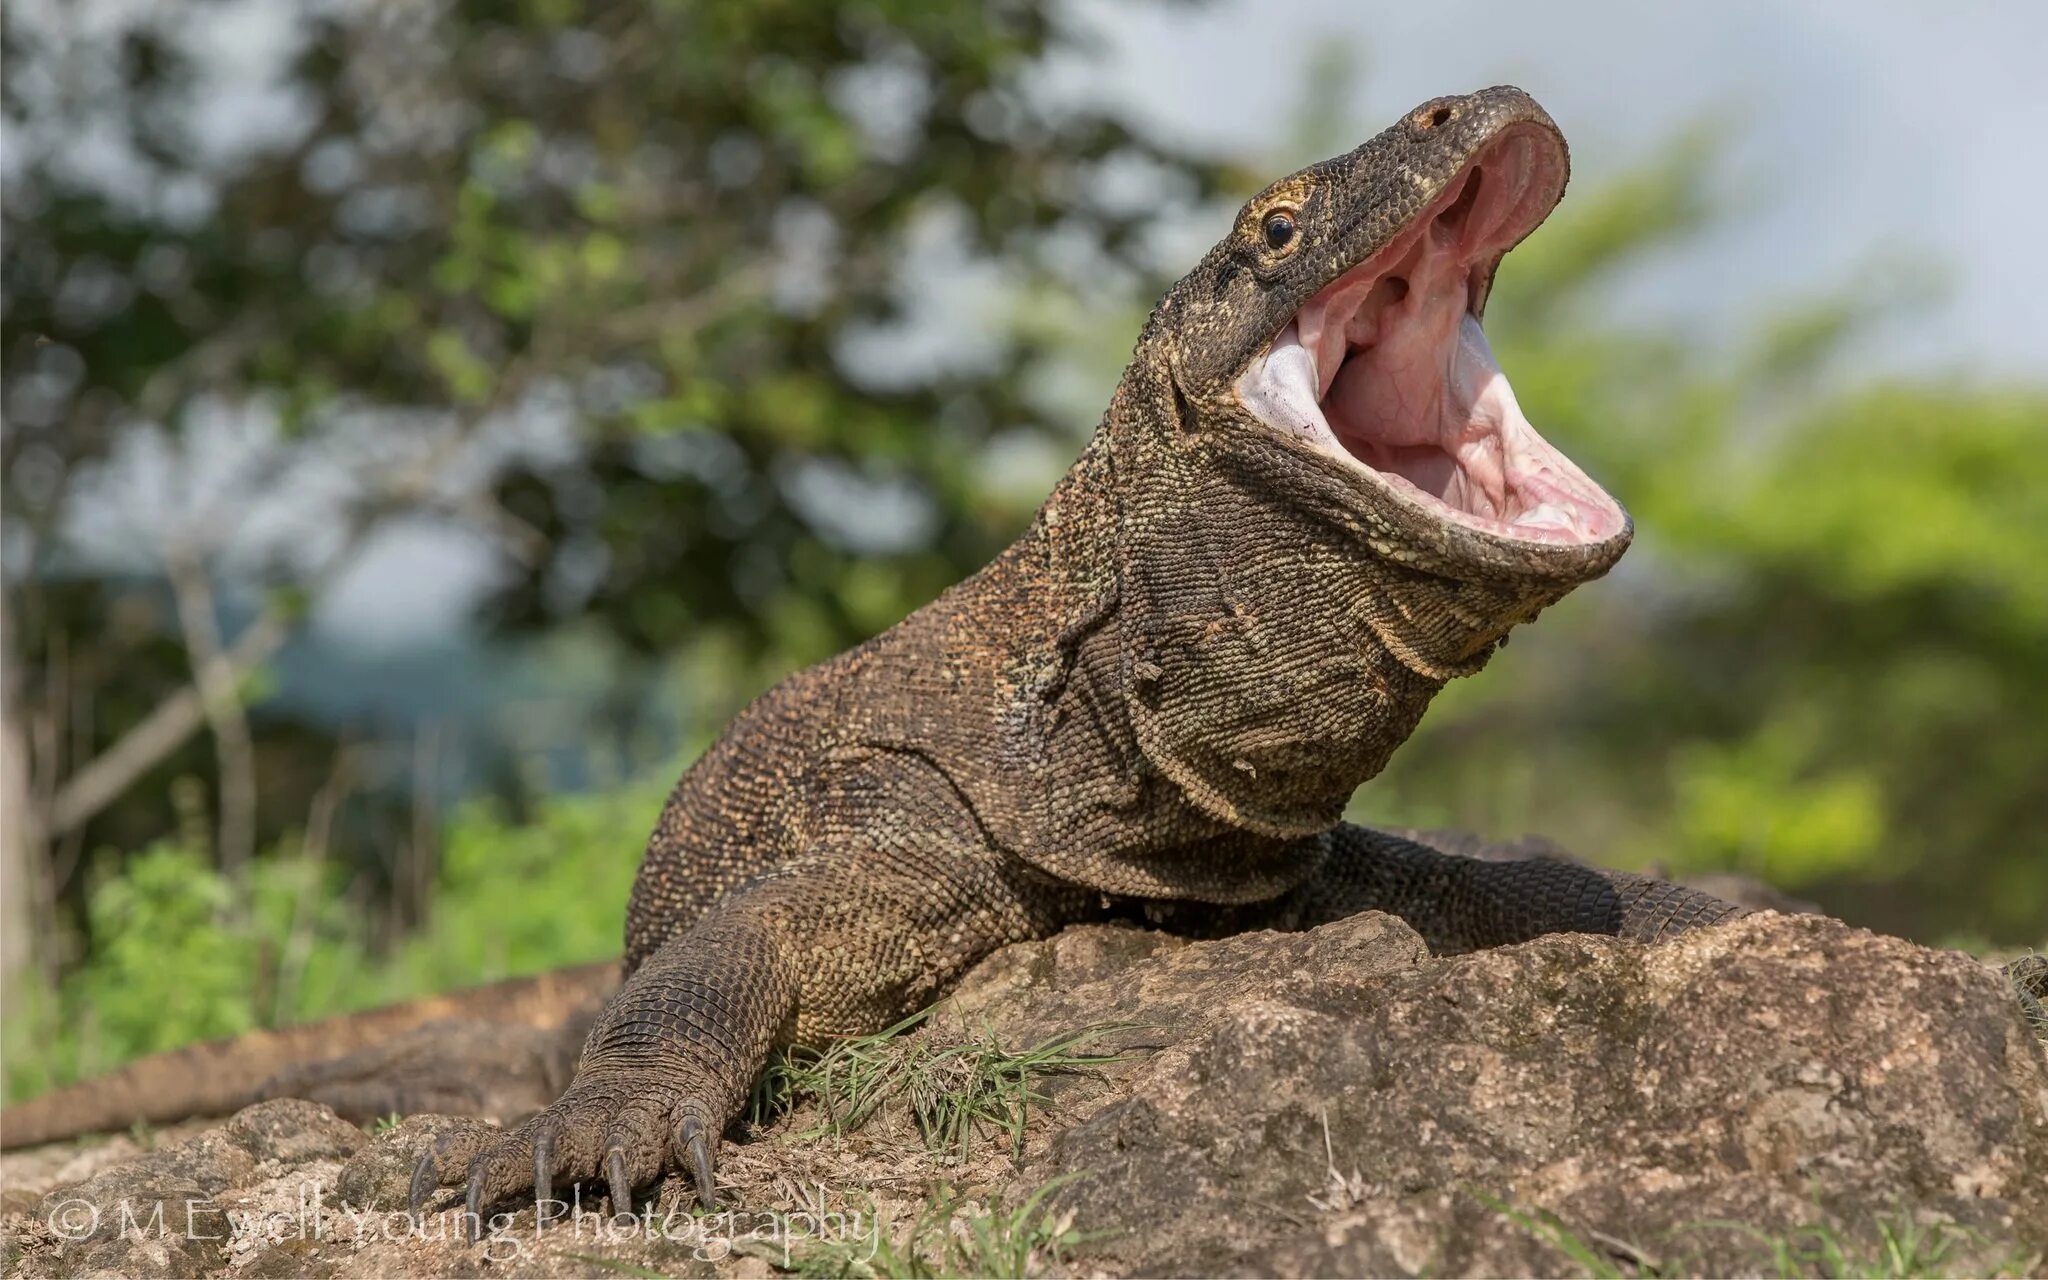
point(638, 296)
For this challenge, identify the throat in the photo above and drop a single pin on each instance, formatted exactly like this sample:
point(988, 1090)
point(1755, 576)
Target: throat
point(1405, 378)
point(1431, 409)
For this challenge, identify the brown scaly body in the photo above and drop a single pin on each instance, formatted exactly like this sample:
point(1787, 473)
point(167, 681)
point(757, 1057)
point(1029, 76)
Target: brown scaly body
point(1157, 701)
point(1166, 690)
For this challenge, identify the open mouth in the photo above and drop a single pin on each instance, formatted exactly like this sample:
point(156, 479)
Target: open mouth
point(1387, 370)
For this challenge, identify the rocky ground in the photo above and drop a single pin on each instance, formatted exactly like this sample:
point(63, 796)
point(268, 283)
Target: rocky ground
point(1786, 1094)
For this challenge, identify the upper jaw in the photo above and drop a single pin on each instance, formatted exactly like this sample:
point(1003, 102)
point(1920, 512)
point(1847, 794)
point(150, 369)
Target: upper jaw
point(1386, 372)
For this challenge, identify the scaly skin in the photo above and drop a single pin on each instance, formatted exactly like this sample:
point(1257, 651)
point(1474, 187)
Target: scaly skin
point(1166, 690)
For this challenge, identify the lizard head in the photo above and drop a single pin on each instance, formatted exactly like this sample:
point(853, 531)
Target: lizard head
point(1340, 320)
point(1330, 501)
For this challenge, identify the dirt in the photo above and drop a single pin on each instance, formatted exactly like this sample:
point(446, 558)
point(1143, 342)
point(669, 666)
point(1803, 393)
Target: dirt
point(1783, 1093)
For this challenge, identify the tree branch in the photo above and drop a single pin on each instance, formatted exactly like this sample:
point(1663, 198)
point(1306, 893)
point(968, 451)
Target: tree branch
point(101, 781)
point(220, 699)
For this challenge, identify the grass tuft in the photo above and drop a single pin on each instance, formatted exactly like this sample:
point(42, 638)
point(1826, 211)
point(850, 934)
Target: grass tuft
point(1601, 1258)
point(1905, 1250)
point(954, 1091)
point(954, 1236)
point(616, 1267)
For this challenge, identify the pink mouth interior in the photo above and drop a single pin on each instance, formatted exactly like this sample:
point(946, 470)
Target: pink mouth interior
point(1404, 381)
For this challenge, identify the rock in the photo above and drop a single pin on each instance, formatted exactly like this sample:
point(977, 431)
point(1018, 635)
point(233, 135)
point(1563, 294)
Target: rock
point(140, 1253)
point(380, 1175)
point(157, 1215)
point(293, 1130)
point(1098, 974)
point(151, 1217)
point(1330, 1102)
point(1784, 1073)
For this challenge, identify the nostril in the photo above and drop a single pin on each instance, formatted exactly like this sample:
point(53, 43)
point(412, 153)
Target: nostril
point(1440, 116)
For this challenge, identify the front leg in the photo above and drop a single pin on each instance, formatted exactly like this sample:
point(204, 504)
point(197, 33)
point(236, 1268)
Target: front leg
point(1459, 902)
point(847, 940)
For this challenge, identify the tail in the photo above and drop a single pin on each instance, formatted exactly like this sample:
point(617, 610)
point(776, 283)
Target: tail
point(221, 1076)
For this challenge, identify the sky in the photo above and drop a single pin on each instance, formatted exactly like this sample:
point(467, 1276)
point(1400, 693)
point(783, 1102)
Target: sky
point(1863, 136)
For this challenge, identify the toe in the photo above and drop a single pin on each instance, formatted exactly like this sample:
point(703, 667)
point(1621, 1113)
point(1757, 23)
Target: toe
point(619, 1179)
point(693, 1150)
point(544, 1170)
point(505, 1170)
point(634, 1148)
point(446, 1161)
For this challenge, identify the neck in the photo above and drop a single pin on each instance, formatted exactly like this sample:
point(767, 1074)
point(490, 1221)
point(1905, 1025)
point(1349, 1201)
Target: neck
point(1209, 643)
point(1285, 656)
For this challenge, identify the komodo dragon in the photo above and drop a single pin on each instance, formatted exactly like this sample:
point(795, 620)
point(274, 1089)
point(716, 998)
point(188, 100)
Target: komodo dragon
point(1312, 501)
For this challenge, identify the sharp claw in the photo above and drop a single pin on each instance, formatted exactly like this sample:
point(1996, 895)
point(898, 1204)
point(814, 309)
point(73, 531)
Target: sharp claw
point(622, 1187)
point(474, 1202)
point(697, 1150)
point(543, 1175)
point(426, 1179)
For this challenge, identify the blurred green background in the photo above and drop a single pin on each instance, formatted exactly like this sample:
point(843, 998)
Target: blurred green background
point(425, 424)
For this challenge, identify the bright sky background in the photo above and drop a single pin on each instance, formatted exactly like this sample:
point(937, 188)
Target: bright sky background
point(1864, 133)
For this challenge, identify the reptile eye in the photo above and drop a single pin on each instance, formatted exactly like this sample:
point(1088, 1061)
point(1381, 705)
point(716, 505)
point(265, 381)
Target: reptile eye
point(1279, 228)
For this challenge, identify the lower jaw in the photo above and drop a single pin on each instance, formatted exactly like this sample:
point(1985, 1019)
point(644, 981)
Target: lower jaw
point(1528, 494)
point(1358, 511)
point(1532, 513)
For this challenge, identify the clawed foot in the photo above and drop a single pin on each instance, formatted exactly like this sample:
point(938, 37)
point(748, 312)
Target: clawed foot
point(623, 1126)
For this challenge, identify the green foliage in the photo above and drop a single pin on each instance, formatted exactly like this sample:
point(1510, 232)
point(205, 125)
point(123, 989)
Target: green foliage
point(521, 898)
point(635, 321)
point(182, 955)
point(1755, 805)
